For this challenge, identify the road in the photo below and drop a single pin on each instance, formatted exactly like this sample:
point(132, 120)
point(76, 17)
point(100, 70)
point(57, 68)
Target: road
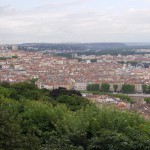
point(140, 95)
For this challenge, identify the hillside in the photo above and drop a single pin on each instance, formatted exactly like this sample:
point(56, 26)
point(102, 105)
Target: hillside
point(74, 46)
point(33, 118)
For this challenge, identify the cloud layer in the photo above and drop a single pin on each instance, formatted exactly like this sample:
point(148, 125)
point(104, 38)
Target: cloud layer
point(74, 21)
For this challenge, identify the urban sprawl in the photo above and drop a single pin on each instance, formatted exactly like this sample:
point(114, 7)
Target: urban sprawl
point(52, 72)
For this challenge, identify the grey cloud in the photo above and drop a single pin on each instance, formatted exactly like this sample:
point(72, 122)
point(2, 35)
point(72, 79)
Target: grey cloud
point(57, 4)
point(7, 10)
point(139, 16)
point(73, 26)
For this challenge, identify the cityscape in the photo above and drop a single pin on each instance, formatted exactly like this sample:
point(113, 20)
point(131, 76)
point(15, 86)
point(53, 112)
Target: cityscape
point(126, 74)
point(75, 75)
point(51, 71)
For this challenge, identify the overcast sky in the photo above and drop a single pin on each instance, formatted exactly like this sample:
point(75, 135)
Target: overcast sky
point(24, 21)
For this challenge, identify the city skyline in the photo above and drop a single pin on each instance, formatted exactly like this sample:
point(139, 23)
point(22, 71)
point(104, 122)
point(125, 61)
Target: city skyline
point(74, 21)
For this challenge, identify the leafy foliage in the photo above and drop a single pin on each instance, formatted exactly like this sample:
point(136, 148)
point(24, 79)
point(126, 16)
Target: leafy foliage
point(105, 87)
point(145, 88)
point(73, 102)
point(33, 118)
point(147, 100)
point(11, 136)
point(93, 87)
point(63, 91)
point(115, 86)
point(127, 88)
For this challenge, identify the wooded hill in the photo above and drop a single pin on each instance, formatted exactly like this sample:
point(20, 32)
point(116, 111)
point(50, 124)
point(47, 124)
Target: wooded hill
point(39, 119)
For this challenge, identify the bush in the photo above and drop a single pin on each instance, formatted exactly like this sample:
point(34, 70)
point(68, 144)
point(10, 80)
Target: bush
point(128, 89)
point(93, 87)
point(147, 100)
point(72, 124)
point(105, 87)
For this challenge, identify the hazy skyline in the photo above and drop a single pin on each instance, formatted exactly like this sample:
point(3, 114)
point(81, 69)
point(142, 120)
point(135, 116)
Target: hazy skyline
point(74, 21)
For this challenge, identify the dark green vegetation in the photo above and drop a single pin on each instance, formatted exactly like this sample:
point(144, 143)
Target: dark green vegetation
point(93, 87)
point(147, 100)
point(132, 63)
point(146, 89)
point(115, 87)
point(110, 51)
point(126, 88)
point(4, 58)
point(105, 87)
point(14, 56)
point(96, 87)
point(62, 120)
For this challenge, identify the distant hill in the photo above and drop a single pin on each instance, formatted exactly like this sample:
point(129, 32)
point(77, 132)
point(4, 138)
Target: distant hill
point(83, 47)
point(139, 45)
point(73, 46)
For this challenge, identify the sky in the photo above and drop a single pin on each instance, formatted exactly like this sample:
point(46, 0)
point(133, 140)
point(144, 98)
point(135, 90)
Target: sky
point(55, 21)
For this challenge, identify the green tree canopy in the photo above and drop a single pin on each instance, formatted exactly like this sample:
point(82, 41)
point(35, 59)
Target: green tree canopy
point(144, 88)
point(72, 123)
point(93, 87)
point(115, 87)
point(105, 87)
point(147, 100)
point(128, 89)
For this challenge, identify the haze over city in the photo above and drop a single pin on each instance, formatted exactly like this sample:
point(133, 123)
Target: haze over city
point(74, 21)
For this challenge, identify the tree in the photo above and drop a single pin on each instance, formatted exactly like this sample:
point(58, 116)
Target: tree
point(26, 90)
point(14, 56)
point(59, 142)
point(63, 91)
point(105, 87)
point(12, 66)
point(93, 87)
point(110, 140)
point(147, 100)
point(72, 124)
point(5, 84)
point(11, 136)
point(144, 88)
point(73, 103)
point(148, 90)
point(33, 80)
point(5, 92)
point(128, 89)
point(115, 86)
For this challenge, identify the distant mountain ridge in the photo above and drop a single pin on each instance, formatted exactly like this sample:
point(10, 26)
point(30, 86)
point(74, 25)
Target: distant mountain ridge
point(84, 46)
point(75, 46)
